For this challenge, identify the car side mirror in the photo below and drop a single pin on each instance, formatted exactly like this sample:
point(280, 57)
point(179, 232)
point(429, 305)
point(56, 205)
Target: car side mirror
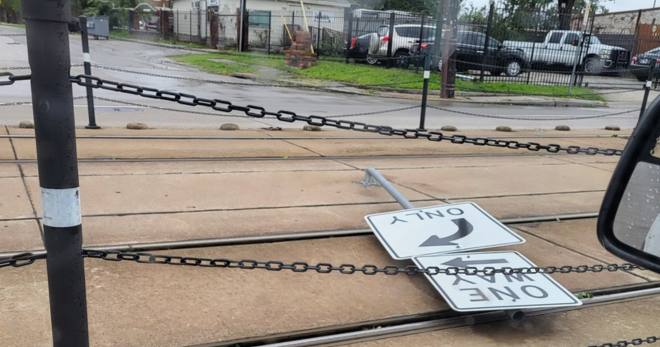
point(629, 219)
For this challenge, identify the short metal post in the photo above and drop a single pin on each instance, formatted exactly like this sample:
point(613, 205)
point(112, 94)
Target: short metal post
point(647, 89)
point(489, 27)
point(425, 90)
point(87, 64)
point(55, 135)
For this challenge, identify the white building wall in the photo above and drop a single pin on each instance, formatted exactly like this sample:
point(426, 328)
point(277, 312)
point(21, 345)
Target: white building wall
point(332, 13)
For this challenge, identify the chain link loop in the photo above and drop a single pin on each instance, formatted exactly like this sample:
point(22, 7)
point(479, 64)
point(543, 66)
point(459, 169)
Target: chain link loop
point(20, 260)
point(290, 117)
point(632, 342)
point(11, 78)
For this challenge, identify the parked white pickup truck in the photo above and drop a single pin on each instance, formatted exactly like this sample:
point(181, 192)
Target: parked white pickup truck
point(560, 47)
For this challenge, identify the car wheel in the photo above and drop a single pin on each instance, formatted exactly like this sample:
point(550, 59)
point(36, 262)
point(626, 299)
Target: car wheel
point(592, 66)
point(371, 60)
point(402, 59)
point(513, 68)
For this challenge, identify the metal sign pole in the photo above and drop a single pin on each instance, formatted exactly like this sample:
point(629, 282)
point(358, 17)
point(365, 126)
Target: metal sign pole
point(52, 100)
point(647, 89)
point(87, 63)
point(425, 90)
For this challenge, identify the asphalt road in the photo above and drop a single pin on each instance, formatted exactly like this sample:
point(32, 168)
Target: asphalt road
point(152, 59)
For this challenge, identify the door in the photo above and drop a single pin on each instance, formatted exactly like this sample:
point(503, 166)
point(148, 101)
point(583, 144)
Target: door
point(551, 53)
point(570, 47)
point(470, 49)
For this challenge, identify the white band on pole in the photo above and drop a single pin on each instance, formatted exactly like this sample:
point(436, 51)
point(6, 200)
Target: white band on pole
point(427, 74)
point(61, 207)
point(87, 58)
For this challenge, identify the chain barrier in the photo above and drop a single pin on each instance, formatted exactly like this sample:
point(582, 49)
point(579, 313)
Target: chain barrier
point(24, 259)
point(473, 114)
point(255, 111)
point(632, 342)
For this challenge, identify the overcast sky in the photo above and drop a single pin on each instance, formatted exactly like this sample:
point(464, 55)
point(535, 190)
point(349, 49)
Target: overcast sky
point(613, 6)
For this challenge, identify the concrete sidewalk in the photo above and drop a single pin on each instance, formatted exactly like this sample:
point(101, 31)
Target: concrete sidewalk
point(171, 185)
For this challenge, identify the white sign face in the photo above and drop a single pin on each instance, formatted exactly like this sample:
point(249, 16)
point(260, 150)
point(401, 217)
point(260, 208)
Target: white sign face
point(439, 229)
point(496, 291)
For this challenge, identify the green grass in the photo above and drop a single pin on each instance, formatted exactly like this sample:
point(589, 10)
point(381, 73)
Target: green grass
point(124, 34)
point(362, 75)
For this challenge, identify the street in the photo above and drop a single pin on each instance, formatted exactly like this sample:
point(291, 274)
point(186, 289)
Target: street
point(153, 59)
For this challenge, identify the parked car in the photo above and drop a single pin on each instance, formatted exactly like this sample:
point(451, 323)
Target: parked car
point(639, 65)
point(561, 46)
point(373, 47)
point(470, 54)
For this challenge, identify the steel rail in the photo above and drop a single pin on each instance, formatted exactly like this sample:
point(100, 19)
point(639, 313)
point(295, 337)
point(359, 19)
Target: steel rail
point(284, 237)
point(380, 138)
point(424, 322)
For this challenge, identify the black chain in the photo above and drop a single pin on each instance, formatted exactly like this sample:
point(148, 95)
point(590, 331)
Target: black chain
point(632, 342)
point(20, 260)
point(11, 78)
point(347, 269)
point(290, 117)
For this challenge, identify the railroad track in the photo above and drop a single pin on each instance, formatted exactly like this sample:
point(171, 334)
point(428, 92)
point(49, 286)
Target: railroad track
point(435, 320)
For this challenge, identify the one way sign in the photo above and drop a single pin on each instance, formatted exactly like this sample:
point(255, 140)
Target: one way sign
point(439, 229)
point(495, 291)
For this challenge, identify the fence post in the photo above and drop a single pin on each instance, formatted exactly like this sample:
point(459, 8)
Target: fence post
point(531, 62)
point(177, 25)
point(647, 89)
point(425, 90)
point(87, 65)
point(55, 135)
point(318, 35)
point(270, 28)
point(489, 28)
point(391, 38)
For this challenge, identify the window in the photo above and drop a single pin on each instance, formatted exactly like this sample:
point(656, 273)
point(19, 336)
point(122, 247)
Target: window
point(472, 38)
point(383, 31)
point(594, 40)
point(260, 19)
point(572, 39)
point(555, 38)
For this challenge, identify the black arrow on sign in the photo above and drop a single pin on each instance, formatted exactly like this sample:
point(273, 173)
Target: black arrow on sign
point(459, 262)
point(464, 229)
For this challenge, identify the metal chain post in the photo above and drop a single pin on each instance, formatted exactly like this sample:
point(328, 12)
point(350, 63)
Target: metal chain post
point(52, 99)
point(647, 89)
point(87, 64)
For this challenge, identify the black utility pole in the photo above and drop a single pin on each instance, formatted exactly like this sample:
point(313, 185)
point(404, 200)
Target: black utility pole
point(647, 89)
point(425, 90)
point(46, 24)
point(87, 64)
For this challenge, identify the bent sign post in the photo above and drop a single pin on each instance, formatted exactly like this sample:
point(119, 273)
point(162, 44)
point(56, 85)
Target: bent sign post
point(439, 229)
point(496, 291)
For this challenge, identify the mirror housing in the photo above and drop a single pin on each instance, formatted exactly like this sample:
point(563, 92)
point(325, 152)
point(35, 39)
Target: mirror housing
point(639, 149)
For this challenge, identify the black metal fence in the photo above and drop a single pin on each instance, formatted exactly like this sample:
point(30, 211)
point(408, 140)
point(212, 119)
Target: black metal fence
point(499, 43)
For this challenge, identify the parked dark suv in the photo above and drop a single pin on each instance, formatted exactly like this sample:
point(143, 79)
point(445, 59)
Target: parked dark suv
point(470, 54)
point(640, 64)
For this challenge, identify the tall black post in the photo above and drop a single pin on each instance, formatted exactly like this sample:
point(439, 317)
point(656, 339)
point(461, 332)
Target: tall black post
point(647, 89)
point(46, 24)
point(489, 28)
point(390, 39)
point(87, 64)
point(349, 33)
point(425, 90)
point(318, 35)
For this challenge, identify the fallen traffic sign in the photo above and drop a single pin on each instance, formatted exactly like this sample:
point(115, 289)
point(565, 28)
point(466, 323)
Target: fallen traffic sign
point(496, 291)
point(439, 229)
